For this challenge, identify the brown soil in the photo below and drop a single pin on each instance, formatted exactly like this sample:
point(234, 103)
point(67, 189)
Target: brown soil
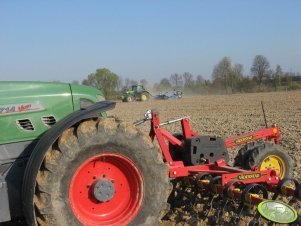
point(225, 116)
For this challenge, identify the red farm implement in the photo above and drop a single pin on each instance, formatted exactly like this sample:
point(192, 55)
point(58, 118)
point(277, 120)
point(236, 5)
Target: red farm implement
point(261, 168)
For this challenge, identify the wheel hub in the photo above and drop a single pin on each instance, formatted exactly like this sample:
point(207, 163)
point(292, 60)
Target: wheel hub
point(143, 97)
point(104, 190)
point(274, 162)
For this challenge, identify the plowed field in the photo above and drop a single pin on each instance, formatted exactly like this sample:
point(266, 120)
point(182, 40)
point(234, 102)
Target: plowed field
point(225, 116)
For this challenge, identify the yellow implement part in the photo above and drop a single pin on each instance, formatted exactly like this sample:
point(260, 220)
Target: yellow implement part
point(274, 162)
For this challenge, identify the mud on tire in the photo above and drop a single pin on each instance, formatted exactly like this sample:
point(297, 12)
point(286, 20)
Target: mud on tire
point(89, 140)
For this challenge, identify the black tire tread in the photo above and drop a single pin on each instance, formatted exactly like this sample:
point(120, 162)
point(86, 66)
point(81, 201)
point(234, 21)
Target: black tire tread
point(242, 154)
point(48, 211)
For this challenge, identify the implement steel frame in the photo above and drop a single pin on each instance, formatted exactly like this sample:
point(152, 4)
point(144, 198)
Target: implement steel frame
point(219, 167)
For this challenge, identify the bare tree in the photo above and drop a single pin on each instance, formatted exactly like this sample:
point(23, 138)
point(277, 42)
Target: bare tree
point(235, 76)
point(133, 82)
point(127, 82)
point(144, 82)
point(119, 83)
point(176, 80)
point(165, 82)
point(188, 80)
point(260, 68)
point(222, 71)
point(91, 81)
point(164, 85)
point(199, 80)
point(75, 82)
point(278, 75)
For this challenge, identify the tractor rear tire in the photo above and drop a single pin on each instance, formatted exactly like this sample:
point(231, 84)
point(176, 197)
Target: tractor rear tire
point(144, 96)
point(102, 172)
point(266, 156)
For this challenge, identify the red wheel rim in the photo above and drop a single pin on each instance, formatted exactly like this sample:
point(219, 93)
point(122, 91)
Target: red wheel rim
point(126, 199)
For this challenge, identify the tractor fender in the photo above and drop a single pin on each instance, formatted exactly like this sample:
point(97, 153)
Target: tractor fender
point(147, 92)
point(46, 140)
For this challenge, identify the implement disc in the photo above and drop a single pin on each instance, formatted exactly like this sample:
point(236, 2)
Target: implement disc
point(277, 211)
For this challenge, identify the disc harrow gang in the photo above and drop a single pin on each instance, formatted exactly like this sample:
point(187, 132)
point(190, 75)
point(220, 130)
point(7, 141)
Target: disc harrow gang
point(248, 194)
point(205, 160)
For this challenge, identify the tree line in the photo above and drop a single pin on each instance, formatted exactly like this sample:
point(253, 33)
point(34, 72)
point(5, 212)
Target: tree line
point(226, 78)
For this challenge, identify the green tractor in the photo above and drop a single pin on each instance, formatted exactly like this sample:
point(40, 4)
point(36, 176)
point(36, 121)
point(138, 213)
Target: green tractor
point(135, 93)
point(27, 111)
point(63, 161)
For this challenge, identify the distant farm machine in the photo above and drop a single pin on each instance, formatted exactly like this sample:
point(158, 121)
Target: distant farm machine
point(135, 93)
point(176, 94)
point(69, 163)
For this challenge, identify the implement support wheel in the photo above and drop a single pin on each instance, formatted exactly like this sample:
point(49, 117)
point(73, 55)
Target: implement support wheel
point(274, 162)
point(265, 156)
point(102, 172)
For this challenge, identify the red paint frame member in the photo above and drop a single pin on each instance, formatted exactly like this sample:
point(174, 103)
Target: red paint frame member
point(178, 169)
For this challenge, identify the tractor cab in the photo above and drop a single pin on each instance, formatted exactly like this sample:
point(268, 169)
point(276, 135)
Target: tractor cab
point(138, 88)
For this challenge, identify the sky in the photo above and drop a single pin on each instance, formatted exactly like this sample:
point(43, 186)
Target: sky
point(67, 40)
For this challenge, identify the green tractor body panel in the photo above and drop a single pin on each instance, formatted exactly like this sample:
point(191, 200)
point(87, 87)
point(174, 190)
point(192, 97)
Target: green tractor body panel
point(27, 109)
